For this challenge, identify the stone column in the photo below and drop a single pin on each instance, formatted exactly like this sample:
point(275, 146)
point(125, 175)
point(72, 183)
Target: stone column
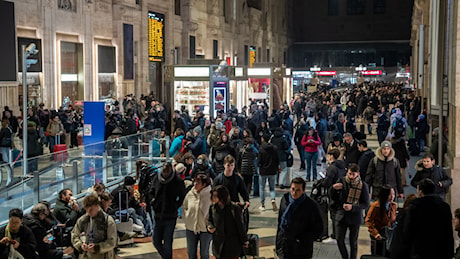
point(49, 54)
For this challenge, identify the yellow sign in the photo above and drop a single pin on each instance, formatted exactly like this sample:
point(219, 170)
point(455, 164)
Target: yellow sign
point(156, 36)
point(252, 56)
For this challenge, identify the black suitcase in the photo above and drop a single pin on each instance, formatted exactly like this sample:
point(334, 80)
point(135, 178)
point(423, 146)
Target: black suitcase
point(253, 245)
point(414, 150)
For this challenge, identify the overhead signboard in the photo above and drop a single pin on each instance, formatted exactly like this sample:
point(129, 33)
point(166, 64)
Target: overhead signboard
point(403, 75)
point(252, 55)
point(156, 27)
point(326, 73)
point(372, 73)
point(302, 74)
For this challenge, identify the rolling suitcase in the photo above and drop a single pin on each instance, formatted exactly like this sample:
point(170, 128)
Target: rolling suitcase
point(253, 245)
point(59, 150)
point(123, 222)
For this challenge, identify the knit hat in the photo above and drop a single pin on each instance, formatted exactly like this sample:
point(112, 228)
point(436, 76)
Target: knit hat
point(180, 168)
point(385, 143)
point(197, 129)
point(129, 181)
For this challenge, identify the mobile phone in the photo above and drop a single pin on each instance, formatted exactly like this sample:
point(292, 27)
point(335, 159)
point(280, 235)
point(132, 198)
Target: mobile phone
point(50, 237)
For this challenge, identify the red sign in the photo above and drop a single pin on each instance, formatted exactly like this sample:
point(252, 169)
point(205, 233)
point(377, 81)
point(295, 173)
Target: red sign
point(372, 72)
point(79, 103)
point(326, 73)
point(229, 59)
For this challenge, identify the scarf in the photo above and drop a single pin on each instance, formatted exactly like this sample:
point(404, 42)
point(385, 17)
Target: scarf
point(355, 190)
point(287, 215)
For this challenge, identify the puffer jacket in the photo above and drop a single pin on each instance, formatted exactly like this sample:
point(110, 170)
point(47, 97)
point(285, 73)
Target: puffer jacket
point(401, 153)
point(196, 209)
point(247, 158)
point(436, 174)
point(383, 171)
point(280, 141)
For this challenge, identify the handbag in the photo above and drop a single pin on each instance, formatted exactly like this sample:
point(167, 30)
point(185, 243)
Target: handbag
point(14, 254)
point(290, 160)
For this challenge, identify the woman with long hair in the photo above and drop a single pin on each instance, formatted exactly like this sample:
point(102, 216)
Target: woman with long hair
point(381, 214)
point(225, 224)
point(311, 141)
point(196, 210)
point(247, 155)
point(223, 148)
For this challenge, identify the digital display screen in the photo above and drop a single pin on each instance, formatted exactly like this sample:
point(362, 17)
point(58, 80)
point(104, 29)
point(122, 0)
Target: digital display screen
point(156, 36)
point(252, 56)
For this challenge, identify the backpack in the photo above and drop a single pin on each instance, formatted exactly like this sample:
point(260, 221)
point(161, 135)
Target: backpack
point(341, 172)
point(399, 127)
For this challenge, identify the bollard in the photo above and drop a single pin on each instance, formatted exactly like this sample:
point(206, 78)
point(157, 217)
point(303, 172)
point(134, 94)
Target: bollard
point(130, 159)
point(104, 167)
point(36, 187)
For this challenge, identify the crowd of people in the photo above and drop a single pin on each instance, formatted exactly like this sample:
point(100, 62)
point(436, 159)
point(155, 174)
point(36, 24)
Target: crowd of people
point(218, 164)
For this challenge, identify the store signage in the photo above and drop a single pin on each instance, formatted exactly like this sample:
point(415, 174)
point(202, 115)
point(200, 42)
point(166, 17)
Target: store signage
point(372, 72)
point(78, 103)
point(33, 78)
point(288, 71)
point(220, 97)
point(315, 69)
point(238, 72)
point(191, 72)
point(403, 75)
point(252, 55)
point(156, 25)
point(326, 73)
point(259, 71)
point(302, 74)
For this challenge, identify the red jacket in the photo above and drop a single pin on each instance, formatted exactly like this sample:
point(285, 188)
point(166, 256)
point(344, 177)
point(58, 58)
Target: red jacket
point(310, 147)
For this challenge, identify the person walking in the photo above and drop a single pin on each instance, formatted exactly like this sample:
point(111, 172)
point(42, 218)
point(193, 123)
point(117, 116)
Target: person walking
point(426, 168)
point(381, 214)
point(196, 207)
point(299, 133)
point(6, 140)
point(299, 223)
point(311, 141)
point(268, 168)
point(351, 195)
point(226, 225)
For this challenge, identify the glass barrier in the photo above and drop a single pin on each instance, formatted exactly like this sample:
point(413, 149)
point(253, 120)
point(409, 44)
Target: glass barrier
point(77, 169)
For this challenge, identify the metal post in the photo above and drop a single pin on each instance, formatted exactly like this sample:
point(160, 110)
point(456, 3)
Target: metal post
point(421, 58)
point(151, 149)
point(36, 187)
point(167, 147)
point(130, 159)
point(24, 111)
point(75, 177)
point(104, 167)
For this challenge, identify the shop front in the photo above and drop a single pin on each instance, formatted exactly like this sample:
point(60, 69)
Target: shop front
point(239, 90)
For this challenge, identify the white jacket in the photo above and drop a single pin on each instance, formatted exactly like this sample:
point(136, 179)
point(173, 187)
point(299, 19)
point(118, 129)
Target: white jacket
point(196, 209)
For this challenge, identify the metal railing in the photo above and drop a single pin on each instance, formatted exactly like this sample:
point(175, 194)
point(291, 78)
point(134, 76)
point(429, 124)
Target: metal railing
point(77, 169)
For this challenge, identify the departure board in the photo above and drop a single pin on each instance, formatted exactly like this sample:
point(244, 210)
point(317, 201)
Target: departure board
point(156, 36)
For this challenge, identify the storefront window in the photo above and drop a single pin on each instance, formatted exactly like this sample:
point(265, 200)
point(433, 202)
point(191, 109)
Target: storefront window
point(72, 71)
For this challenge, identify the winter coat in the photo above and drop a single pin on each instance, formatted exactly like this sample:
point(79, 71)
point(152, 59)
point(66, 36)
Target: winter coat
point(363, 162)
point(235, 186)
point(167, 195)
point(352, 153)
point(54, 128)
point(333, 173)
point(299, 133)
point(104, 232)
point(429, 228)
point(268, 159)
point(246, 163)
point(6, 132)
point(436, 174)
point(401, 152)
point(374, 221)
point(421, 129)
point(43, 249)
point(339, 197)
point(196, 209)
point(199, 146)
point(341, 149)
point(27, 244)
point(281, 142)
point(311, 147)
point(176, 145)
point(229, 231)
point(368, 115)
point(218, 155)
point(400, 246)
point(306, 225)
point(34, 148)
point(63, 212)
point(385, 171)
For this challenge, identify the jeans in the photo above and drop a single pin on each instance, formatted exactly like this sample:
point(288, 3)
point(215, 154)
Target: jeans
point(341, 229)
point(163, 236)
point(271, 185)
point(283, 173)
point(381, 135)
point(117, 163)
point(5, 151)
point(192, 244)
point(311, 163)
point(369, 129)
point(301, 151)
point(421, 143)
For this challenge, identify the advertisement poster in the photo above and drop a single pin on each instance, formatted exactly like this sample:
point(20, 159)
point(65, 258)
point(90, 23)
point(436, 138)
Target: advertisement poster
point(220, 97)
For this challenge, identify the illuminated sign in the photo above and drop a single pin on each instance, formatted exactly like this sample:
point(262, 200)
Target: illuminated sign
point(302, 74)
point(326, 73)
point(252, 55)
point(156, 36)
point(372, 72)
point(403, 75)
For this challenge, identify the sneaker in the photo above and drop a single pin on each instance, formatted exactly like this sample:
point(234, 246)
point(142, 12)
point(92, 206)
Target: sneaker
point(262, 207)
point(275, 208)
point(127, 235)
point(329, 241)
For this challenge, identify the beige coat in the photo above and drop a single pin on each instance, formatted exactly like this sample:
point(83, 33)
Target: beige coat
point(196, 209)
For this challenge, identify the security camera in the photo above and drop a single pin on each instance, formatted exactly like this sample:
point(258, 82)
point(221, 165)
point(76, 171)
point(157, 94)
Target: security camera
point(31, 49)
